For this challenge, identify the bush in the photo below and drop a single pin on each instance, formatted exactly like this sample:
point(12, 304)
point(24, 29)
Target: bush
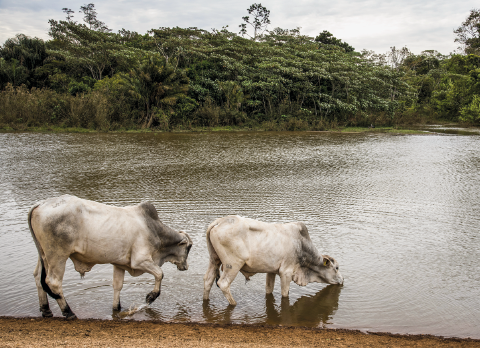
point(21, 108)
point(471, 112)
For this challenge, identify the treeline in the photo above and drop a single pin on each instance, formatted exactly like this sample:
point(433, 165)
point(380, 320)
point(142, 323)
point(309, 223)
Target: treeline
point(169, 78)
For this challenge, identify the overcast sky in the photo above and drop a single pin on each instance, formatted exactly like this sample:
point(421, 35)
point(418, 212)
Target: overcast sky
point(364, 24)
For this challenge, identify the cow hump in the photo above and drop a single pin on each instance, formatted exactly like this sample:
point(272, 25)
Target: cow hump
point(149, 210)
point(303, 230)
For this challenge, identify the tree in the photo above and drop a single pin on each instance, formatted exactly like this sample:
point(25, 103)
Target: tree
point(396, 57)
point(424, 62)
point(93, 48)
point(157, 86)
point(177, 42)
point(30, 52)
point(468, 34)
point(259, 23)
point(471, 112)
point(22, 57)
point(287, 37)
point(327, 38)
point(12, 72)
point(68, 12)
point(90, 17)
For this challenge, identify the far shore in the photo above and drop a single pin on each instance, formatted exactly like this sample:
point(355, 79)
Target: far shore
point(418, 129)
point(53, 332)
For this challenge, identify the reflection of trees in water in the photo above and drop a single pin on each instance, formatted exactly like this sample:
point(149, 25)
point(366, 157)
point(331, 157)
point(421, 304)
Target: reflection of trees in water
point(308, 310)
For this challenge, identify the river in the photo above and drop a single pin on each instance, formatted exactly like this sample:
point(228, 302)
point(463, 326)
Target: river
point(400, 214)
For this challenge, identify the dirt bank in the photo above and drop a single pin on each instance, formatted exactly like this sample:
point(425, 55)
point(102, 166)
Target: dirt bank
point(28, 332)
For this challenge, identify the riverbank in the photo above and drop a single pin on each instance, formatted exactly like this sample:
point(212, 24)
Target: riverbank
point(56, 129)
point(53, 332)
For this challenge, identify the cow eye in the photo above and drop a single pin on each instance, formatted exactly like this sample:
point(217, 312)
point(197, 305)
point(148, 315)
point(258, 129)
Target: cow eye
point(336, 268)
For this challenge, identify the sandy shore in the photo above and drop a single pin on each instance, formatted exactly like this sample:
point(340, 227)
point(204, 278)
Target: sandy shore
point(37, 332)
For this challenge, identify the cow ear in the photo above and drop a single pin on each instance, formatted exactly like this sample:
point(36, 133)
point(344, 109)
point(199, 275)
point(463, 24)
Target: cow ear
point(320, 260)
point(183, 241)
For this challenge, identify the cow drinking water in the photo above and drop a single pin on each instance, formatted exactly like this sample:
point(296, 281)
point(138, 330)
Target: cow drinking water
point(132, 239)
point(248, 246)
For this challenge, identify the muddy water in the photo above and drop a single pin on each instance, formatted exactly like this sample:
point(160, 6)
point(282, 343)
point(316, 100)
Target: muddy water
point(400, 213)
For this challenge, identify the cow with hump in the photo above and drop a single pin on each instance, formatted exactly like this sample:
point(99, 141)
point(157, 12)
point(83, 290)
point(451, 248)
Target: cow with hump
point(249, 246)
point(131, 238)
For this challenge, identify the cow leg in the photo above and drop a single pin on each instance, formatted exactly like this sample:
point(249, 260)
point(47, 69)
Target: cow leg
point(285, 279)
point(270, 283)
point(149, 266)
point(55, 272)
point(118, 276)
point(230, 271)
point(42, 295)
point(209, 278)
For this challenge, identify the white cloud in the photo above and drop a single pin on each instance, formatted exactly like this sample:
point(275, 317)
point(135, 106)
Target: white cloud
point(365, 24)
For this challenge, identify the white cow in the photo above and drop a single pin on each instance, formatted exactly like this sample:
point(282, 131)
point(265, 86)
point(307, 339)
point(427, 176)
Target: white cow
point(131, 238)
point(245, 245)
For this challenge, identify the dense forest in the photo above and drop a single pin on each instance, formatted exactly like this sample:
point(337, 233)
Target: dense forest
point(185, 78)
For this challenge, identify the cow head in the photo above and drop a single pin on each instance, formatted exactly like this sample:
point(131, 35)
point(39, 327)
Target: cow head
point(179, 252)
point(324, 270)
point(328, 271)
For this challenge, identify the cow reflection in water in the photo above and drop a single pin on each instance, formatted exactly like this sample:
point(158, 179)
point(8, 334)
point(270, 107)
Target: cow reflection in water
point(307, 310)
point(312, 311)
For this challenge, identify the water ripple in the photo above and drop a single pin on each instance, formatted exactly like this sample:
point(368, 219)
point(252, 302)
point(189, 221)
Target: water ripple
point(401, 214)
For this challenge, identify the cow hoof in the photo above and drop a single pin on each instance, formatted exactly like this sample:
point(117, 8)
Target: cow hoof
point(71, 316)
point(117, 308)
point(152, 296)
point(46, 314)
point(68, 314)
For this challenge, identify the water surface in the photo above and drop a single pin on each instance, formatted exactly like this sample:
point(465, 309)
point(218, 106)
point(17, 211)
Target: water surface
point(400, 214)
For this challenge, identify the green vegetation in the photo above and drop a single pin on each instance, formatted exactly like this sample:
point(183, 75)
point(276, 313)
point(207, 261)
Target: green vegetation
point(87, 77)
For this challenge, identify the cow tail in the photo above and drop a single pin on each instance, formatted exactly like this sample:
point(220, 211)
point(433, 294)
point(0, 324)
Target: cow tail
point(43, 275)
point(213, 254)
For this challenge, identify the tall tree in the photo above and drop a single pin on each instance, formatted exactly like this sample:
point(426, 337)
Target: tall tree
point(468, 34)
point(259, 23)
point(68, 12)
point(90, 17)
point(97, 52)
point(90, 47)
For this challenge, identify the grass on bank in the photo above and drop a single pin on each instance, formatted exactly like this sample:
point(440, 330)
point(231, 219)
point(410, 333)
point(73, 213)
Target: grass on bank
point(259, 128)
